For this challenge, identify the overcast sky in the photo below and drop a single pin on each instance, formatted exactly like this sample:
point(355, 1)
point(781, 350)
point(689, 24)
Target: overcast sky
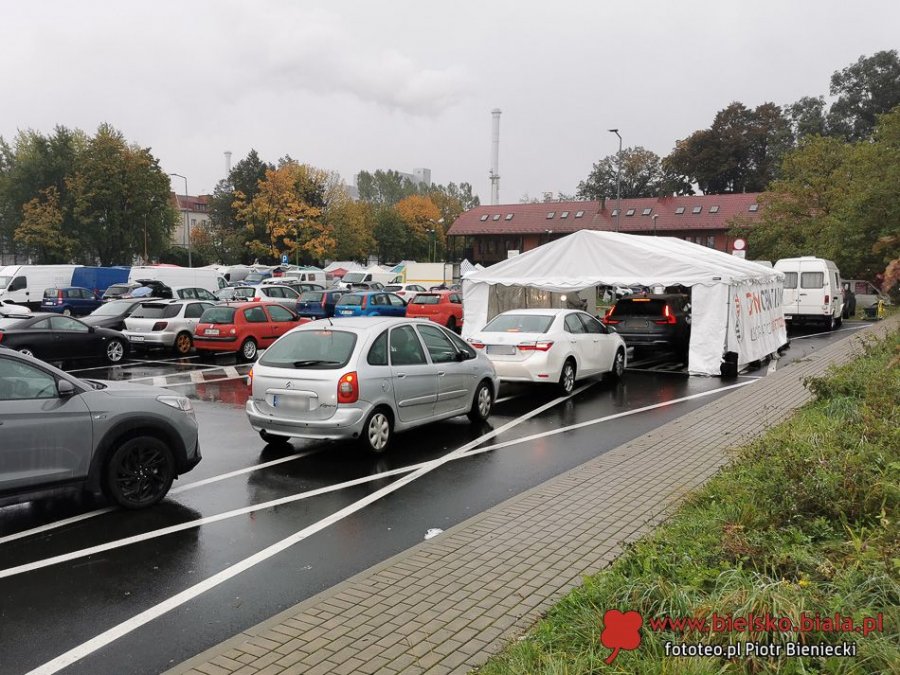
point(350, 85)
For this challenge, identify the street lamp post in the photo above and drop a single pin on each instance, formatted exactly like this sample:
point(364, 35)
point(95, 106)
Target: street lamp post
point(431, 245)
point(655, 216)
point(618, 179)
point(187, 216)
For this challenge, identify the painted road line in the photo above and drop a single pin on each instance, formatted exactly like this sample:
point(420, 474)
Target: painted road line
point(200, 369)
point(182, 488)
point(114, 633)
point(829, 332)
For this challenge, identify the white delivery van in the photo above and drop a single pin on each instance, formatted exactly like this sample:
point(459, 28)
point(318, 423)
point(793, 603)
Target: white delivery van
point(187, 277)
point(309, 274)
point(812, 291)
point(368, 276)
point(25, 284)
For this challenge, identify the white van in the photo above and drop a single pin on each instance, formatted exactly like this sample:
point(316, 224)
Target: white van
point(25, 284)
point(310, 275)
point(188, 277)
point(812, 291)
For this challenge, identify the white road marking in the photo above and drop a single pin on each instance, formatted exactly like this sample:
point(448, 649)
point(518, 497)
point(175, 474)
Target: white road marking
point(215, 381)
point(203, 369)
point(829, 332)
point(181, 488)
point(114, 633)
point(197, 376)
point(159, 381)
point(773, 366)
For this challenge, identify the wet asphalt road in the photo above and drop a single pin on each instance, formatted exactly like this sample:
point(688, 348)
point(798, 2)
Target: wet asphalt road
point(47, 610)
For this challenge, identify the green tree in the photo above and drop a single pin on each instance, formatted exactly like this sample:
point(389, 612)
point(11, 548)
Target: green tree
point(808, 117)
point(864, 90)
point(642, 176)
point(390, 235)
point(40, 231)
point(353, 224)
point(384, 188)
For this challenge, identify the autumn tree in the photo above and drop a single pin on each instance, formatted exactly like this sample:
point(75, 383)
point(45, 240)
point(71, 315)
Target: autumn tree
point(424, 231)
point(40, 231)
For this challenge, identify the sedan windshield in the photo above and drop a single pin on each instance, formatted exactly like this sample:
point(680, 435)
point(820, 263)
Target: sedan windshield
point(218, 315)
point(519, 323)
point(313, 349)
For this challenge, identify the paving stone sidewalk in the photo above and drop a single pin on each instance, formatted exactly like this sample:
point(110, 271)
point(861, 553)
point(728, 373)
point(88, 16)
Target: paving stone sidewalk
point(447, 604)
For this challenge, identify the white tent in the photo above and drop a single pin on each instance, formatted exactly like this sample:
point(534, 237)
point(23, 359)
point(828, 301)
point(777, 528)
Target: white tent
point(736, 304)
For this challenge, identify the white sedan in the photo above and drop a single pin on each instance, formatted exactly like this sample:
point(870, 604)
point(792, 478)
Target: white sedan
point(550, 345)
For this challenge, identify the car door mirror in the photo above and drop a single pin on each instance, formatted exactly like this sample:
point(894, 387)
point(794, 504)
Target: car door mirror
point(65, 389)
point(91, 329)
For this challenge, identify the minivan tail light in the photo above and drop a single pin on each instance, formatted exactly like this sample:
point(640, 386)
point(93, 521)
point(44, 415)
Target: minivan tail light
point(539, 346)
point(59, 298)
point(668, 319)
point(160, 325)
point(827, 299)
point(348, 388)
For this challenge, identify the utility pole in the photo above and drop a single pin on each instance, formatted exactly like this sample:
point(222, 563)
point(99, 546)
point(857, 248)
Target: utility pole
point(618, 180)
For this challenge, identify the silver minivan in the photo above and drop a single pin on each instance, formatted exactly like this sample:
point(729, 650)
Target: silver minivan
point(366, 378)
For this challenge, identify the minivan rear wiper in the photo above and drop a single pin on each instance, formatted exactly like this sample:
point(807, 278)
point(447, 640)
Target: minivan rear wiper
point(315, 362)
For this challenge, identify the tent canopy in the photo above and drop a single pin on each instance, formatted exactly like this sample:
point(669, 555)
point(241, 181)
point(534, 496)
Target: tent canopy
point(736, 304)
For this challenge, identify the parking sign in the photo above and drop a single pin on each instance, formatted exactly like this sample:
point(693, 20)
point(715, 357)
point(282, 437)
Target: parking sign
point(284, 259)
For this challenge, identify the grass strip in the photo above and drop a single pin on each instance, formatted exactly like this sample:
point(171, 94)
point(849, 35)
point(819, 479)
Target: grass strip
point(802, 521)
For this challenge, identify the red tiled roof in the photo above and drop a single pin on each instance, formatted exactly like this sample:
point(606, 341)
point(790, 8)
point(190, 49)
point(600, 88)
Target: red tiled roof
point(533, 218)
point(190, 202)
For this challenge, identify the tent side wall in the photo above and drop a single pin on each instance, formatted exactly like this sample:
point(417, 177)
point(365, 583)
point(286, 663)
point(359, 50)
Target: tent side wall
point(709, 319)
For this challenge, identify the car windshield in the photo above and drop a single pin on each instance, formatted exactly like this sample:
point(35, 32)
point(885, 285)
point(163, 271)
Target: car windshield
point(311, 296)
point(218, 315)
point(4, 281)
point(154, 311)
point(639, 307)
point(311, 349)
point(354, 277)
point(425, 299)
point(351, 299)
point(519, 323)
point(113, 308)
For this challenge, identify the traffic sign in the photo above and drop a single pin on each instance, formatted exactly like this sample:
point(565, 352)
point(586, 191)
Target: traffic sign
point(739, 244)
point(284, 259)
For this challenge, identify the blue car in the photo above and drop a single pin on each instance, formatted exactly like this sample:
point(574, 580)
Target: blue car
point(71, 301)
point(377, 303)
point(318, 304)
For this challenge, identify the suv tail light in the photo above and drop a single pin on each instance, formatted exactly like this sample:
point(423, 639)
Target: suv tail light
point(668, 317)
point(348, 388)
point(539, 346)
point(607, 319)
point(160, 325)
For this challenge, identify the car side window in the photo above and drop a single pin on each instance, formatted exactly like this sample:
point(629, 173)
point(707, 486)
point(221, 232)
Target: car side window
point(255, 315)
point(67, 324)
point(194, 310)
point(280, 313)
point(591, 325)
point(204, 294)
point(573, 325)
point(18, 284)
point(405, 347)
point(378, 352)
point(438, 344)
point(187, 294)
point(376, 299)
point(462, 345)
point(22, 381)
point(395, 300)
point(43, 324)
point(455, 299)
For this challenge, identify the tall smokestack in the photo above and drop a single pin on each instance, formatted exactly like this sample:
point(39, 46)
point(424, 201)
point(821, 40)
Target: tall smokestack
point(227, 164)
point(495, 156)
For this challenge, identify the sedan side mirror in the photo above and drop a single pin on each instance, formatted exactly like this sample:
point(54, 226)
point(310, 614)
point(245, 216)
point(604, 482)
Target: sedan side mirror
point(65, 389)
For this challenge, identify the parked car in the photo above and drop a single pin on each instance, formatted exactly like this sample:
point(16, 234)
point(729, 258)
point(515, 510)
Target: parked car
point(71, 301)
point(238, 293)
point(366, 379)
point(112, 314)
point(122, 290)
point(318, 304)
point(443, 307)
point(129, 441)
point(405, 291)
point(370, 304)
point(165, 323)
point(302, 286)
point(243, 328)
point(658, 321)
point(812, 291)
point(256, 277)
point(849, 300)
point(157, 289)
point(283, 295)
point(52, 337)
point(558, 346)
point(193, 293)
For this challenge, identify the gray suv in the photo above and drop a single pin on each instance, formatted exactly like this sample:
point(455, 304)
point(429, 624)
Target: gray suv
point(57, 432)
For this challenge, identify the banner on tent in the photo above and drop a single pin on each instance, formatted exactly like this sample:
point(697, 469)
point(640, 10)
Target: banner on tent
point(756, 325)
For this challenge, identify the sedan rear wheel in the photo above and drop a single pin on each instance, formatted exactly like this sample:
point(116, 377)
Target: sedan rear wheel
point(140, 472)
point(377, 432)
point(115, 351)
point(567, 377)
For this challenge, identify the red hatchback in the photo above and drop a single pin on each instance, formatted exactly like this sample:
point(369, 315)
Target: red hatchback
point(244, 327)
point(443, 307)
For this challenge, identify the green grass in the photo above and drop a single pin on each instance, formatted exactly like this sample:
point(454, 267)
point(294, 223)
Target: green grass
point(802, 520)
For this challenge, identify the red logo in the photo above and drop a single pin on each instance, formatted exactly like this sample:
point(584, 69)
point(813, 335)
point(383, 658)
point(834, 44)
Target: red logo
point(620, 631)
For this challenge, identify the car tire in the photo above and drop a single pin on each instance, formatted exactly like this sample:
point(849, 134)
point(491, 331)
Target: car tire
point(378, 431)
point(115, 351)
point(249, 350)
point(183, 344)
point(482, 403)
point(67, 312)
point(451, 323)
point(139, 472)
point(273, 439)
point(27, 351)
point(618, 367)
point(830, 323)
point(567, 377)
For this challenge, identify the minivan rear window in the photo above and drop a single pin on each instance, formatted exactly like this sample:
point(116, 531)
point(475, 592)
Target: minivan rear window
point(812, 280)
point(153, 311)
point(311, 350)
point(51, 292)
point(790, 280)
